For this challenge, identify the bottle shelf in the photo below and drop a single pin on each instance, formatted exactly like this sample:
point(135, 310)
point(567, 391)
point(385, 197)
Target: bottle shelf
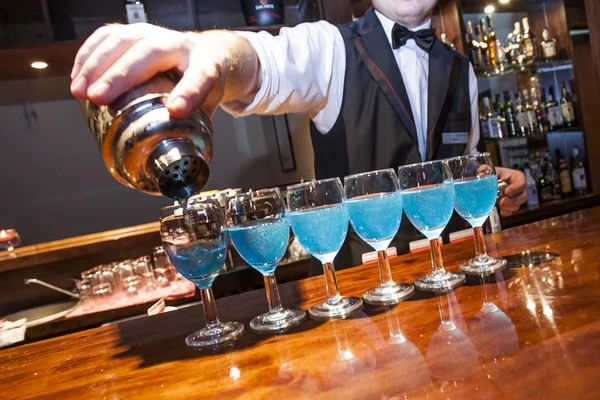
point(537, 137)
point(539, 67)
point(550, 209)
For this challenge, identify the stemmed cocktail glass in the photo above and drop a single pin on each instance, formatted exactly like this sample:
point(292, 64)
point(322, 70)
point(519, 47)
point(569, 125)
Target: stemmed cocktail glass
point(428, 198)
point(375, 208)
point(260, 231)
point(195, 240)
point(320, 222)
point(476, 187)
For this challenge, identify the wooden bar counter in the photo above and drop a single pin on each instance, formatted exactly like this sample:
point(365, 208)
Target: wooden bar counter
point(537, 336)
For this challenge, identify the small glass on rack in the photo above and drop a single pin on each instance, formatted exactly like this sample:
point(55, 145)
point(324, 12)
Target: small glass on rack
point(319, 220)
point(476, 188)
point(195, 240)
point(375, 208)
point(9, 239)
point(260, 231)
point(428, 195)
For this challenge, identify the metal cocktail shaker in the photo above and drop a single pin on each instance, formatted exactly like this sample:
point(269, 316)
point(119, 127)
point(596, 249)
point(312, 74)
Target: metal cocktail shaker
point(144, 148)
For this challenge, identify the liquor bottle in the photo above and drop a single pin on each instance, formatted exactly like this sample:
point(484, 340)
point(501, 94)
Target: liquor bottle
point(548, 46)
point(478, 55)
point(499, 113)
point(544, 187)
point(578, 173)
point(522, 115)
point(492, 128)
point(509, 116)
point(492, 42)
point(516, 53)
point(483, 119)
point(566, 105)
point(528, 41)
point(532, 193)
point(565, 175)
point(485, 51)
point(540, 111)
point(555, 118)
point(531, 116)
point(473, 42)
point(136, 11)
point(552, 176)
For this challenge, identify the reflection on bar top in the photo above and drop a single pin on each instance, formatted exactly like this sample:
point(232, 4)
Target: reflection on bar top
point(531, 331)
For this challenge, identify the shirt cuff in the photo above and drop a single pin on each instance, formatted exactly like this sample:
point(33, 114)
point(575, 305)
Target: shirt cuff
point(240, 108)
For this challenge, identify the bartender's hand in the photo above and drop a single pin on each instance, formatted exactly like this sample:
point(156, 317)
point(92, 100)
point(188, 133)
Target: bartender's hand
point(515, 193)
point(215, 65)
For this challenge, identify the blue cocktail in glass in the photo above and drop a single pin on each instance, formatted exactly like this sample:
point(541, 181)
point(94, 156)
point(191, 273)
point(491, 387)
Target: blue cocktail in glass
point(319, 220)
point(195, 240)
point(476, 186)
point(260, 230)
point(375, 208)
point(428, 194)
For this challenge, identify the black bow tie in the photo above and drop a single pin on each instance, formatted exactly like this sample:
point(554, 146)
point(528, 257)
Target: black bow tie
point(424, 38)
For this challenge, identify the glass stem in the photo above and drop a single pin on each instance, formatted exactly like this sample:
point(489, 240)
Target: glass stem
point(394, 325)
point(436, 256)
point(480, 249)
point(444, 307)
point(210, 307)
point(272, 294)
point(385, 272)
point(333, 291)
point(341, 340)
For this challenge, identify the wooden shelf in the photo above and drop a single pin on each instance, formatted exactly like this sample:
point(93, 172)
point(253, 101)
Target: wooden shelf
point(16, 63)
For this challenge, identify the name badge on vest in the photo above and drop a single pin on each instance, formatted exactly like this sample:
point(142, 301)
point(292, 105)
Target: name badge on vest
point(455, 137)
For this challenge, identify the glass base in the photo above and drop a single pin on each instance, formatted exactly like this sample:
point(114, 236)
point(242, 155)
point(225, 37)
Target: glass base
point(220, 334)
point(277, 321)
point(440, 281)
point(485, 266)
point(390, 293)
point(336, 308)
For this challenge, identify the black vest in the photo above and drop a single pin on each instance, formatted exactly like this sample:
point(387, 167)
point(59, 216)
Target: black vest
point(375, 128)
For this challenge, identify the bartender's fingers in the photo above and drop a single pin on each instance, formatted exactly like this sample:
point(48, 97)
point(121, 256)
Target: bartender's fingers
point(514, 178)
point(105, 55)
point(89, 46)
point(509, 205)
point(142, 61)
point(201, 85)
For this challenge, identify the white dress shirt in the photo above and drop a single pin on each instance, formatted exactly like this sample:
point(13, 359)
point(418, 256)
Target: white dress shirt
point(303, 69)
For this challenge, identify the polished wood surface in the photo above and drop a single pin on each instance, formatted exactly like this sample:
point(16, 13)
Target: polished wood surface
point(538, 336)
point(243, 278)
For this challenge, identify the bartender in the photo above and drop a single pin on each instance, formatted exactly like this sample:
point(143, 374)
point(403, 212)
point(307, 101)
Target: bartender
point(381, 91)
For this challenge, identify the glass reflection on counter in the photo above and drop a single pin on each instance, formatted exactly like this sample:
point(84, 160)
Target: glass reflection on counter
point(493, 334)
point(351, 371)
point(401, 371)
point(451, 357)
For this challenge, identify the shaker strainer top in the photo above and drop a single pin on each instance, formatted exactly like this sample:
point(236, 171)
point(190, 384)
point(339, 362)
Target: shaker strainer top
point(179, 168)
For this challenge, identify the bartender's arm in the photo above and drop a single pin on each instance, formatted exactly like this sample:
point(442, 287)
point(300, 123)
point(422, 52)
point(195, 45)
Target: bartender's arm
point(301, 70)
